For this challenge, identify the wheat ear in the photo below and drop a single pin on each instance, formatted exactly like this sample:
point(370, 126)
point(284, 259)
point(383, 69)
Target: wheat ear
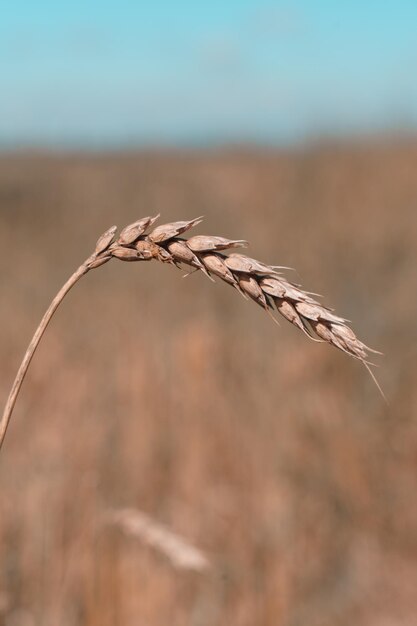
point(177, 549)
point(263, 283)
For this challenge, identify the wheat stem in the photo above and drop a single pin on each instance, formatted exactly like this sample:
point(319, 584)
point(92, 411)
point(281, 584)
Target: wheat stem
point(11, 401)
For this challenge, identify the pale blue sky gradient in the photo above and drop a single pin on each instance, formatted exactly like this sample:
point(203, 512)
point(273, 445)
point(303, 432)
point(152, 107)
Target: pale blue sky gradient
point(107, 73)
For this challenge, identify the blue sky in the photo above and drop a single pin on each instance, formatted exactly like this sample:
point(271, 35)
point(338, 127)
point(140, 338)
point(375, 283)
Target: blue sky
point(120, 73)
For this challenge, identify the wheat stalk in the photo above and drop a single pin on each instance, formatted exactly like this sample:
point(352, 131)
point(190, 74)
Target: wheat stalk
point(262, 283)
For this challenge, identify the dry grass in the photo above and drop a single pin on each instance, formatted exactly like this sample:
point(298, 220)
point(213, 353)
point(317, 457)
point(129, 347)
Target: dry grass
point(274, 455)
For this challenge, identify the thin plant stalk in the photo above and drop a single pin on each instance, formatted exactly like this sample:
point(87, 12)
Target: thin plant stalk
point(21, 373)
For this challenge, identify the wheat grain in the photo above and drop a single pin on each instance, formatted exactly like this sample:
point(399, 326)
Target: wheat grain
point(263, 283)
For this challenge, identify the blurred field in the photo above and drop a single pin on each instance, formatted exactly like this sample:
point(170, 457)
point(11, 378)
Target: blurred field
point(273, 455)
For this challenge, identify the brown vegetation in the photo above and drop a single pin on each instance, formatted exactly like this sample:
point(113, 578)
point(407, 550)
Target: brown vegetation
point(274, 456)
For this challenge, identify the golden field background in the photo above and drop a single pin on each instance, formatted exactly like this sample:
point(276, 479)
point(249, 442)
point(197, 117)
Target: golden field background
point(273, 455)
